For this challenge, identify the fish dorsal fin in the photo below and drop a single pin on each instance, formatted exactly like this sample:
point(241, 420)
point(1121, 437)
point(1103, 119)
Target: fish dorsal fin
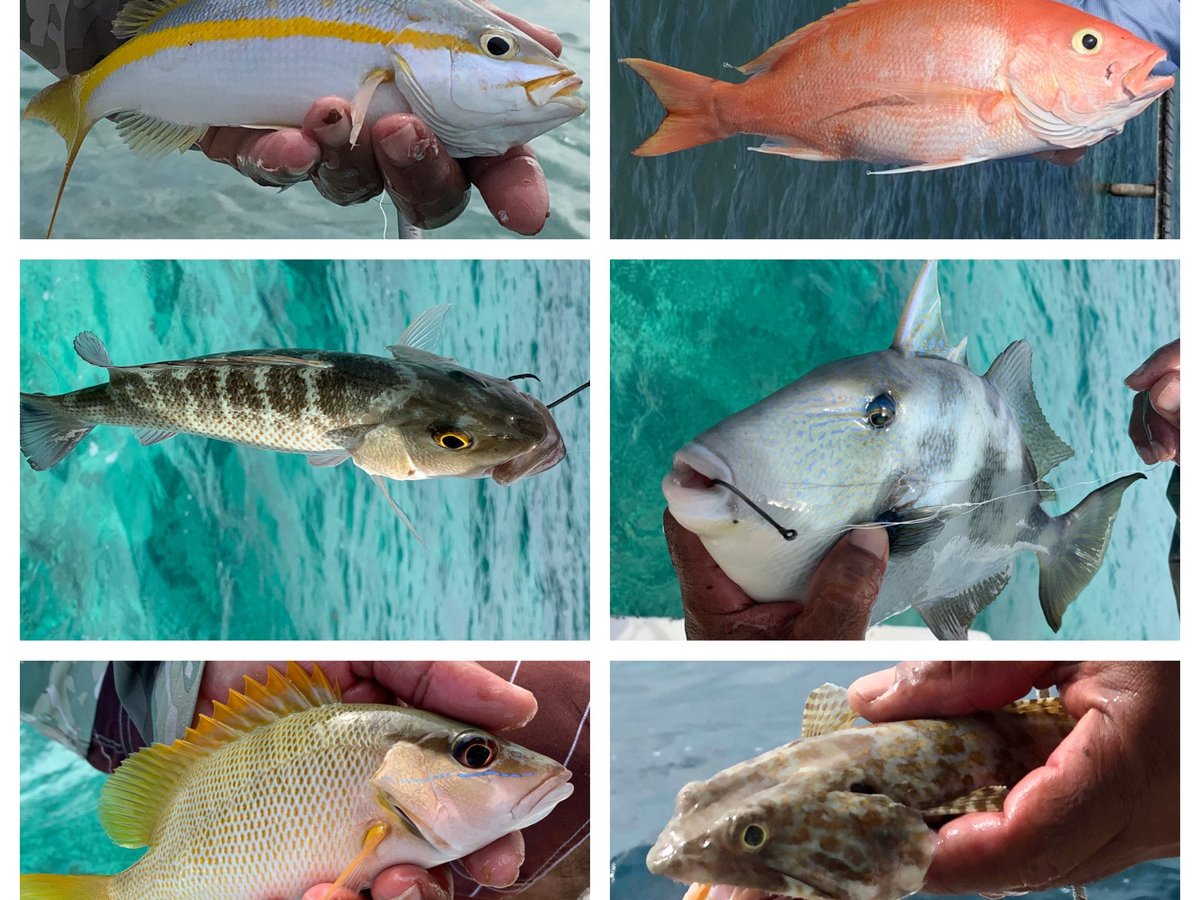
point(1037, 706)
point(812, 31)
point(920, 332)
point(151, 138)
point(138, 15)
point(1012, 375)
point(984, 799)
point(827, 709)
point(134, 798)
point(92, 350)
point(423, 334)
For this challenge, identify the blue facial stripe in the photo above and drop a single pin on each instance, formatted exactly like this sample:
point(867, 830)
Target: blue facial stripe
point(445, 775)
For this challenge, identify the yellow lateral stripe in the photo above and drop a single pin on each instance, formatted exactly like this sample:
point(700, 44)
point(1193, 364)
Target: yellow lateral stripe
point(147, 44)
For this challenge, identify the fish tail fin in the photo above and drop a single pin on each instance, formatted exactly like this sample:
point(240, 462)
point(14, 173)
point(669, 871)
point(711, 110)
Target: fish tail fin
point(59, 106)
point(48, 432)
point(690, 101)
point(64, 887)
point(1076, 551)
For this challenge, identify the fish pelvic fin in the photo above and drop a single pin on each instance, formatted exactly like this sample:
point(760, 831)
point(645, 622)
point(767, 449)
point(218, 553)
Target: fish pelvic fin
point(1074, 555)
point(59, 106)
point(64, 887)
point(690, 102)
point(48, 431)
point(1011, 374)
point(134, 798)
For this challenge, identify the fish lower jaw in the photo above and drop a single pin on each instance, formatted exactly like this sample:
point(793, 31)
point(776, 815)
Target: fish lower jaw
point(541, 800)
point(696, 500)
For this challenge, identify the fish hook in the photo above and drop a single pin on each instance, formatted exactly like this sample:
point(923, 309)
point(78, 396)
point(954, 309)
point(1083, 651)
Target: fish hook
point(569, 395)
point(525, 375)
point(788, 534)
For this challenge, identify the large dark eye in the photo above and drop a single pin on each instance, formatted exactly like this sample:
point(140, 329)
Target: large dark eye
point(450, 438)
point(754, 836)
point(881, 411)
point(474, 751)
point(1086, 41)
point(498, 45)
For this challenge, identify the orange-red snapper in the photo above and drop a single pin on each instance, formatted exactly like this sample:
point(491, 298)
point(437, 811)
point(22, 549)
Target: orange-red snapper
point(483, 86)
point(928, 83)
point(286, 787)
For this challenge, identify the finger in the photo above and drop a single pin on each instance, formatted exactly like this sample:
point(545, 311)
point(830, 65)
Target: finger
point(1139, 431)
point(514, 188)
point(322, 892)
point(345, 174)
point(1163, 360)
point(844, 587)
point(543, 36)
point(923, 689)
point(426, 184)
point(272, 158)
point(1164, 397)
point(499, 863)
point(461, 690)
point(412, 883)
point(1164, 437)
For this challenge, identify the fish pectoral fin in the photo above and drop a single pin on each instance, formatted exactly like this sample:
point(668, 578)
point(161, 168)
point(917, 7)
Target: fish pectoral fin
point(911, 529)
point(984, 799)
point(356, 875)
point(350, 438)
point(1011, 374)
point(950, 617)
point(362, 99)
point(378, 479)
point(988, 104)
point(784, 146)
point(827, 709)
point(150, 137)
point(328, 458)
point(148, 436)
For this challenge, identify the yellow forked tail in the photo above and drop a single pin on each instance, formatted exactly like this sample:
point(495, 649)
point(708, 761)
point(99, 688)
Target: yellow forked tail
point(690, 103)
point(58, 105)
point(64, 887)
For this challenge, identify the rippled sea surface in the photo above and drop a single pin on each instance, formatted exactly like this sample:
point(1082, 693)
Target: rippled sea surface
point(201, 539)
point(694, 342)
point(724, 190)
point(114, 193)
point(677, 722)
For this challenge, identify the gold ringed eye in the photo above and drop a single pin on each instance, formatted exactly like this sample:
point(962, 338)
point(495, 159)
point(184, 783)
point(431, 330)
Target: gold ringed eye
point(498, 44)
point(753, 837)
point(1087, 41)
point(451, 439)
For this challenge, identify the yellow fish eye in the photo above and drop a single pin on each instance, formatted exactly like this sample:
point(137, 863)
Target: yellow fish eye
point(474, 751)
point(753, 837)
point(451, 439)
point(498, 44)
point(1087, 41)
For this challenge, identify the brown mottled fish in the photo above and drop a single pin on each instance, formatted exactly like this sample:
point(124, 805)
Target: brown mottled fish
point(416, 415)
point(844, 813)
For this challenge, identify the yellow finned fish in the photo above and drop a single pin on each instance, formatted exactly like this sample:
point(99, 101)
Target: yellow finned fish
point(286, 787)
point(483, 86)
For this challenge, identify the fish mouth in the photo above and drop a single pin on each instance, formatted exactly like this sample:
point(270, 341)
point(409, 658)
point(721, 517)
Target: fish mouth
point(560, 88)
point(1139, 84)
point(691, 488)
point(538, 803)
point(547, 452)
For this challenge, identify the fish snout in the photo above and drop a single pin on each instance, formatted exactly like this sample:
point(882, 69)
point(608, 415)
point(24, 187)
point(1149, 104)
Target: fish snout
point(691, 487)
point(536, 805)
point(1139, 84)
point(560, 87)
point(665, 857)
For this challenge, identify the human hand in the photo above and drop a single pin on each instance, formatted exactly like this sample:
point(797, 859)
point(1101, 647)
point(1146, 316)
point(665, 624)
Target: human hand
point(461, 690)
point(1107, 798)
point(1154, 422)
point(838, 606)
point(399, 154)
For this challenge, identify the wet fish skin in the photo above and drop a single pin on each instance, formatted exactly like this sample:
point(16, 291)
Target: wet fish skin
point(844, 810)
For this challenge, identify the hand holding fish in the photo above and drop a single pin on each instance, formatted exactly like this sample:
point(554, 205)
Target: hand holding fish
point(1154, 423)
point(1107, 798)
point(837, 606)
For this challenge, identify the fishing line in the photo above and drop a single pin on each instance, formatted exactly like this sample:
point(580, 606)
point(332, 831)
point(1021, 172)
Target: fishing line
point(569, 395)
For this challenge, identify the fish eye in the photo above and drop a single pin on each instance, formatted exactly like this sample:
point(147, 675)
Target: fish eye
point(881, 411)
point(861, 787)
point(474, 751)
point(753, 837)
point(450, 438)
point(498, 45)
point(1087, 41)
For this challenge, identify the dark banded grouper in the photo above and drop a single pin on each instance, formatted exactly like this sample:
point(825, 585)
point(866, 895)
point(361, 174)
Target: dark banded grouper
point(909, 439)
point(844, 813)
point(416, 415)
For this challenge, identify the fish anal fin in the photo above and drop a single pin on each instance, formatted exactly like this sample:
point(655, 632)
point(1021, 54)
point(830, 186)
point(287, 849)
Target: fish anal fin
point(328, 458)
point(356, 875)
point(950, 617)
point(784, 146)
point(920, 331)
point(1076, 547)
point(150, 137)
point(92, 350)
point(148, 436)
point(984, 799)
point(362, 100)
point(827, 709)
point(138, 15)
point(1011, 374)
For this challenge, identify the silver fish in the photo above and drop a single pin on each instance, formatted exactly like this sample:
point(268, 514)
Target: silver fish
point(414, 416)
point(843, 813)
point(910, 439)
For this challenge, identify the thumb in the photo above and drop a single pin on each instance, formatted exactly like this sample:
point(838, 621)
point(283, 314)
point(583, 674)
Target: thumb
point(844, 587)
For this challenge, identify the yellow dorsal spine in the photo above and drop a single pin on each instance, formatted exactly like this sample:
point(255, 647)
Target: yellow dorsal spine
point(60, 106)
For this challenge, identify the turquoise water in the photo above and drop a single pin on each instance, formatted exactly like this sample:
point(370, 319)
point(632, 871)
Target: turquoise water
point(200, 539)
point(724, 190)
point(113, 193)
point(662, 738)
point(694, 342)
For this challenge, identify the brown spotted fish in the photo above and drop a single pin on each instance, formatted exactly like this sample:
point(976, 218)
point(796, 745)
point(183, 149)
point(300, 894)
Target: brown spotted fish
point(845, 812)
point(416, 415)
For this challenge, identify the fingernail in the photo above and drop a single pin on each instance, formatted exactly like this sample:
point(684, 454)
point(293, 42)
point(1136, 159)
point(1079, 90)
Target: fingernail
point(1168, 398)
point(1135, 373)
point(1159, 453)
point(498, 876)
point(870, 687)
point(873, 540)
point(1144, 452)
point(398, 145)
